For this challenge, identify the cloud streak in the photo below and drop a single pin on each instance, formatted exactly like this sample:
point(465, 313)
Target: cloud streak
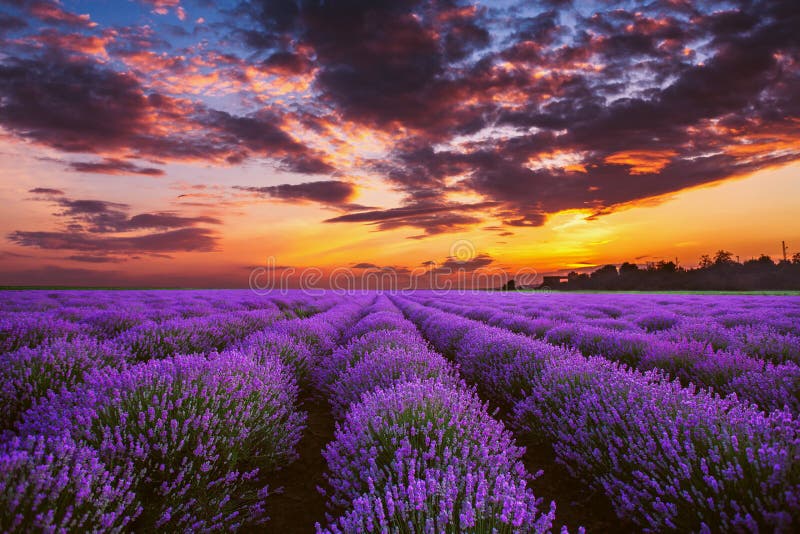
point(101, 231)
point(182, 240)
point(328, 192)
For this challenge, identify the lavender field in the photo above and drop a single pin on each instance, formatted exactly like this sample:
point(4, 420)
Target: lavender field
point(187, 411)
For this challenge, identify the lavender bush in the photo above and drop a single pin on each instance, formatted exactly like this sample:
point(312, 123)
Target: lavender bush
point(204, 334)
point(317, 334)
point(426, 456)
point(669, 458)
point(328, 370)
point(198, 431)
point(52, 484)
point(382, 368)
point(267, 344)
point(765, 342)
point(502, 363)
point(27, 374)
point(382, 320)
point(18, 330)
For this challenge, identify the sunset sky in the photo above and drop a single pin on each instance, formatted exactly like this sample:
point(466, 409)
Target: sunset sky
point(183, 142)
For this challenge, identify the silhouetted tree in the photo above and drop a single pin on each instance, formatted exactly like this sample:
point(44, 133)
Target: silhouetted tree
point(605, 277)
point(765, 260)
point(511, 285)
point(723, 257)
point(666, 266)
point(722, 272)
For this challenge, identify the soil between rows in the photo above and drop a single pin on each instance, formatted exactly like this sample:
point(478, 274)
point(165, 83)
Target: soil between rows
point(300, 506)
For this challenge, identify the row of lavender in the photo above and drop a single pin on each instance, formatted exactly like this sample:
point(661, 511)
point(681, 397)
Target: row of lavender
point(750, 347)
point(669, 457)
point(172, 421)
point(415, 450)
point(44, 351)
point(29, 318)
point(767, 328)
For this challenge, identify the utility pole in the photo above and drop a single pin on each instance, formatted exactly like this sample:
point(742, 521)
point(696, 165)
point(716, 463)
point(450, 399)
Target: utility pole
point(783, 245)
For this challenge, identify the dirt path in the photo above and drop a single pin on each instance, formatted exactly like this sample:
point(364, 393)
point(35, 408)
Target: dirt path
point(300, 506)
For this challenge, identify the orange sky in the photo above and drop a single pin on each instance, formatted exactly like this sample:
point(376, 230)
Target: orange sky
point(183, 144)
point(749, 216)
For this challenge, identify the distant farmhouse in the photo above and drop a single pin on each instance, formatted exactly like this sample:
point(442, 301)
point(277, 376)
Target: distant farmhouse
point(553, 282)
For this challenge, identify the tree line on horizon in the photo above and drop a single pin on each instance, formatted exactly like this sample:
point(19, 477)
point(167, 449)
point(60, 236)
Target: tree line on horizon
point(720, 272)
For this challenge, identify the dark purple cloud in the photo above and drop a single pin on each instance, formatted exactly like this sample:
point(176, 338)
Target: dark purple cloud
point(181, 240)
point(10, 23)
point(75, 107)
point(329, 192)
point(260, 135)
point(365, 265)
point(51, 12)
point(642, 102)
point(99, 216)
point(432, 218)
point(114, 166)
point(88, 258)
point(46, 191)
point(84, 106)
point(166, 220)
point(101, 231)
point(471, 264)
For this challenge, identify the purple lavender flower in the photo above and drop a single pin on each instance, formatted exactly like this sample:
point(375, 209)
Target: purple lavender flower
point(426, 456)
point(502, 363)
point(439, 500)
point(657, 321)
point(383, 367)
point(198, 432)
point(52, 484)
point(775, 387)
point(708, 332)
point(317, 334)
point(27, 374)
point(22, 329)
point(328, 370)
point(382, 320)
point(267, 344)
point(669, 458)
point(106, 324)
point(765, 342)
point(193, 335)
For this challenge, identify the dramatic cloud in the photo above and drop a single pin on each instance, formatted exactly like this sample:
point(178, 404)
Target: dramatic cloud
point(100, 216)
point(95, 259)
point(102, 231)
point(51, 12)
point(83, 106)
point(524, 109)
point(10, 23)
point(76, 107)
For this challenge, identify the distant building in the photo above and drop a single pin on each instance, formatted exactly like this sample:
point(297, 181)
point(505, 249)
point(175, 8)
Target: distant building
point(553, 281)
